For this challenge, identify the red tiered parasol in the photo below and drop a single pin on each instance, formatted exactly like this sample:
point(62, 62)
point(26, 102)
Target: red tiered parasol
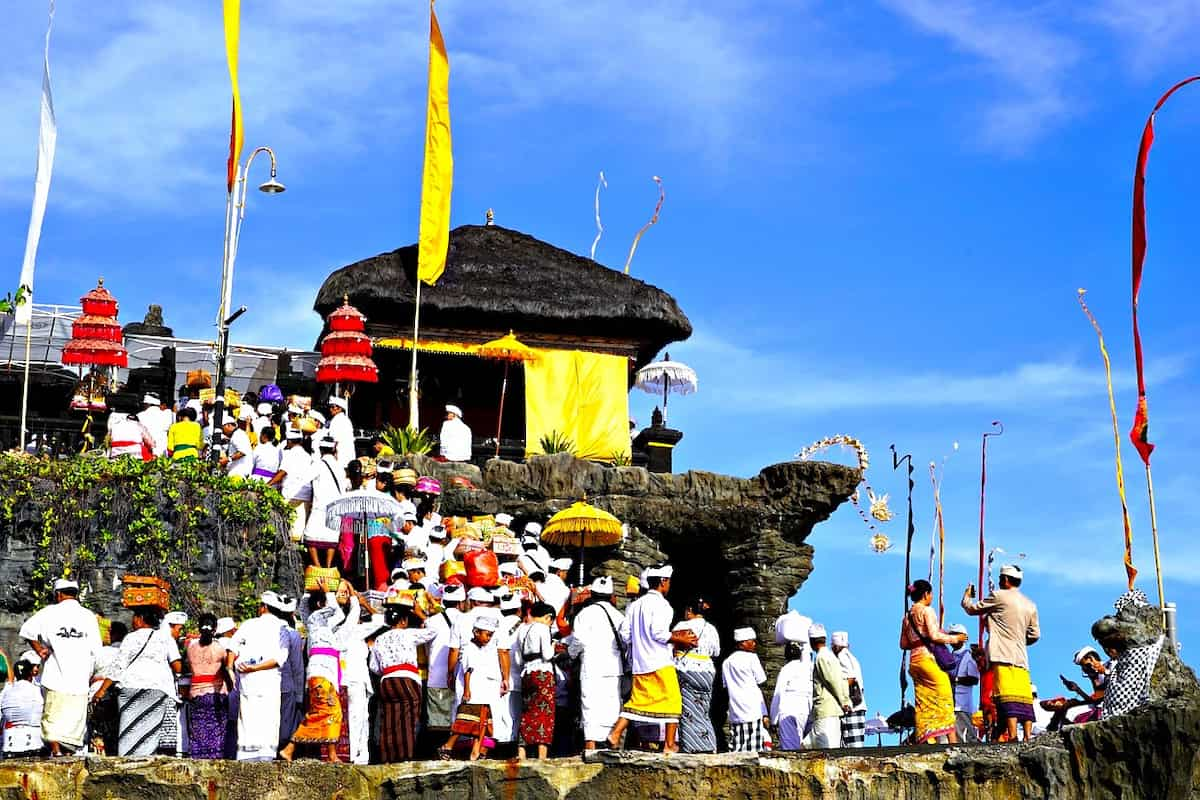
point(346, 349)
point(96, 338)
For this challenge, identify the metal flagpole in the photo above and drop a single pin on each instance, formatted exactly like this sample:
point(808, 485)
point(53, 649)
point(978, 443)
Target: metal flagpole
point(414, 417)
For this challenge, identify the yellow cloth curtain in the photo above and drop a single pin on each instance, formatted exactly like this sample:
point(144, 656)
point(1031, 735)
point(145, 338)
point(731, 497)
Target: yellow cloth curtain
point(584, 396)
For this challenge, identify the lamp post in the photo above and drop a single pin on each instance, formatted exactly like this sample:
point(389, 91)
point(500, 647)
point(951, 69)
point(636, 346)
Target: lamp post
point(235, 214)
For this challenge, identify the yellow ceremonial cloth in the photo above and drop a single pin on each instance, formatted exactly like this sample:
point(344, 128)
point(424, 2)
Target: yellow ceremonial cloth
point(655, 697)
point(935, 699)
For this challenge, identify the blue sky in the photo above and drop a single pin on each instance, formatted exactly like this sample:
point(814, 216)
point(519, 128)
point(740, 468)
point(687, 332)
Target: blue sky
point(877, 217)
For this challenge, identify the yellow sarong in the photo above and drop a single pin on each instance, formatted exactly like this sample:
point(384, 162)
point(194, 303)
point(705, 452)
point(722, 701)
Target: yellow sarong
point(655, 697)
point(64, 718)
point(1014, 692)
point(935, 700)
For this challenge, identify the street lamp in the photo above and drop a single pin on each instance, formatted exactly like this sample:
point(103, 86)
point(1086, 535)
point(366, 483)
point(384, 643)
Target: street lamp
point(235, 214)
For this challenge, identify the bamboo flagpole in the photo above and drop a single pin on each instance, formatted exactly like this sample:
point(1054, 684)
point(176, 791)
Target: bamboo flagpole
point(982, 493)
point(1140, 433)
point(1130, 571)
point(47, 143)
point(437, 180)
point(910, 532)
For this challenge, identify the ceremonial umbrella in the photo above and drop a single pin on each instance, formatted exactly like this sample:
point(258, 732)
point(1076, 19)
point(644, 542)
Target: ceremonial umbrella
point(666, 376)
point(507, 349)
point(364, 504)
point(583, 525)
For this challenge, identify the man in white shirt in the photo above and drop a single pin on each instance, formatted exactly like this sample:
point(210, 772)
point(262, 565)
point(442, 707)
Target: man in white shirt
point(294, 480)
point(647, 631)
point(454, 440)
point(256, 653)
point(67, 638)
point(553, 588)
point(156, 420)
point(439, 690)
point(742, 674)
point(238, 459)
point(854, 724)
point(341, 430)
point(595, 642)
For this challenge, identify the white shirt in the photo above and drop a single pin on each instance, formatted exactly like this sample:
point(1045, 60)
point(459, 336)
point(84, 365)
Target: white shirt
point(266, 461)
point(742, 673)
point(21, 713)
point(484, 666)
point(73, 635)
point(239, 442)
point(793, 690)
point(593, 642)
point(341, 430)
point(144, 661)
point(647, 630)
point(455, 440)
point(260, 424)
point(964, 696)
point(325, 633)
point(258, 640)
point(554, 592)
point(435, 554)
point(129, 432)
point(537, 649)
point(298, 466)
point(158, 422)
point(399, 647)
point(439, 646)
point(852, 669)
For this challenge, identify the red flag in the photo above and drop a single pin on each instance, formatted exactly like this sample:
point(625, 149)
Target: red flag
point(1139, 434)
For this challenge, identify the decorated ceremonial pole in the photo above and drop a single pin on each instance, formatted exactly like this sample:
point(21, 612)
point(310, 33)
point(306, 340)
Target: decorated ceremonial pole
point(1130, 570)
point(1140, 433)
point(897, 460)
point(662, 196)
point(437, 180)
point(982, 495)
point(47, 141)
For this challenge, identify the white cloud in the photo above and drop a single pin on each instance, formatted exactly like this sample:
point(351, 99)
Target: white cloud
point(1152, 33)
point(142, 90)
point(735, 375)
point(1029, 62)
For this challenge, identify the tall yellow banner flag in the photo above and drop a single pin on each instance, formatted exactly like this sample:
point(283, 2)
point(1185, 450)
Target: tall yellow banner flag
point(236, 134)
point(438, 177)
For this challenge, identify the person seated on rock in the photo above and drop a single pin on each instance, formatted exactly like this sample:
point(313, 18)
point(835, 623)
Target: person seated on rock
point(1096, 671)
point(1135, 638)
point(454, 440)
point(21, 711)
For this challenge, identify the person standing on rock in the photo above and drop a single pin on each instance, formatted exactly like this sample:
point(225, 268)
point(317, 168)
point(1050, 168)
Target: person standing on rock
point(66, 636)
point(647, 632)
point(792, 704)
point(854, 724)
point(697, 671)
point(1012, 625)
point(920, 633)
point(742, 674)
point(256, 653)
point(830, 692)
point(602, 661)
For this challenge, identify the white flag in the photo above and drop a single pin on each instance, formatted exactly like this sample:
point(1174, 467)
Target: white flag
point(47, 139)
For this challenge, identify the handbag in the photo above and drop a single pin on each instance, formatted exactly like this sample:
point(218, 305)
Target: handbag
point(856, 694)
point(942, 654)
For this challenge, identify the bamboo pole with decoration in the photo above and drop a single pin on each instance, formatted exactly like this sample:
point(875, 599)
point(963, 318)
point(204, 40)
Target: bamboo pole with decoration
point(910, 532)
point(1140, 432)
point(982, 495)
point(1130, 570)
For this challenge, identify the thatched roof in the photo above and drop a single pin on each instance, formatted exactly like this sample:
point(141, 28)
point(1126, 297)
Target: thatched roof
point(500, 279)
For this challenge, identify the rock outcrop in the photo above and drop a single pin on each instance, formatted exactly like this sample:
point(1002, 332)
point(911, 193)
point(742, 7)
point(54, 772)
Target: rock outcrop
point(739, 542)
point(1149, 755)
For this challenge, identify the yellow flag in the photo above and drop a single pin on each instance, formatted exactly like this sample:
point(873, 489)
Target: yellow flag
point(438, 176)
point(236, 134)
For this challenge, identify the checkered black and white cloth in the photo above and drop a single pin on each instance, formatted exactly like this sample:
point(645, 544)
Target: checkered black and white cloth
point(1128, 685)
point(854, 726)
point(748, 737)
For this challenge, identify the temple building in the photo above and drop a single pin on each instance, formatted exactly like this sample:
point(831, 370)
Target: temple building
point(591, 327)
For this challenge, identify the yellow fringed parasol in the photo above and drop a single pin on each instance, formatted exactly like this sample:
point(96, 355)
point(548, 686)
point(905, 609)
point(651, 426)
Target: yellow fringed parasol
point(507, 348)
point(583, 525)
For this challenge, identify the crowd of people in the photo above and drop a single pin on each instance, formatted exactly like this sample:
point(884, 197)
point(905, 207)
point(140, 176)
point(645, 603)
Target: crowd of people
point(400, 652)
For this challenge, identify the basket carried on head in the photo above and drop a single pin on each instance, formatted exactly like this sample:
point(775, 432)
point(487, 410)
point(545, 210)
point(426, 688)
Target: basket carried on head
point(142, 591)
